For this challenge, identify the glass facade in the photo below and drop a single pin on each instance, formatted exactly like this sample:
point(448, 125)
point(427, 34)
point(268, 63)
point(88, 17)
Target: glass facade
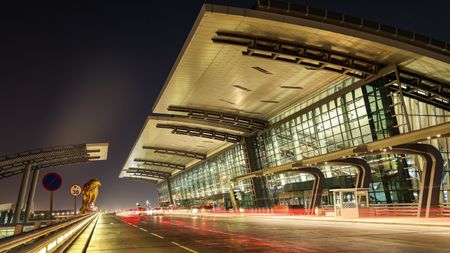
point(365, 114)
point(208, 182)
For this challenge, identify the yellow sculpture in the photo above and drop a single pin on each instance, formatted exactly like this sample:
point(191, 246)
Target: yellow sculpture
point(90, 193)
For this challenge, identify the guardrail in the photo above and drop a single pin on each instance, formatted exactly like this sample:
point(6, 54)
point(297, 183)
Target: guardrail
point(399, 209)
point(47, 239)
point(445, 209)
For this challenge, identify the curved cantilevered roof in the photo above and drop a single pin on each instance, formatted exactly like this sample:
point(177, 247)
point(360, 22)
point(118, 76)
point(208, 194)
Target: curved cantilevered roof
point(240, 67)
point(14, 164)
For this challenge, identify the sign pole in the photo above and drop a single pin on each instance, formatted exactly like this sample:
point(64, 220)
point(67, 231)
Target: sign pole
point(51, 182)
point(51, 205)
point(75, 190)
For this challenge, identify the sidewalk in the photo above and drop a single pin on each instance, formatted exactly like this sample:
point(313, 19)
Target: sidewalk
point(433, 222)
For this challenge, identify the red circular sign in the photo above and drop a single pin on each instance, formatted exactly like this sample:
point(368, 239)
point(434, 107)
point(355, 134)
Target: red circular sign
point(52, 181)
point(75, 190)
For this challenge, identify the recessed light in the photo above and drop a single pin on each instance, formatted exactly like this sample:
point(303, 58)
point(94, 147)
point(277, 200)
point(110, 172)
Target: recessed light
point(241, 87)
point(269, 101)
point(226, 101)
point(291, 87)
point(262, 70)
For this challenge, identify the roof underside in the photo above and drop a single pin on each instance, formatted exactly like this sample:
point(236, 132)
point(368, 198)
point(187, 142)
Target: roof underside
point(14, 164)
point(219, 77)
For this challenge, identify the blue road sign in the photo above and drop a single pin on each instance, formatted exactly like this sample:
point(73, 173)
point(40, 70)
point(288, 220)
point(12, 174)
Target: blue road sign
point(52, 181)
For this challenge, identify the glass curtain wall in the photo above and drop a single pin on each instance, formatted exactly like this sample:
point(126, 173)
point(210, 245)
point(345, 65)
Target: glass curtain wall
point(422, 115)
point(366, 114)
point(361, 116)
point(208, 182)
point(163, 193)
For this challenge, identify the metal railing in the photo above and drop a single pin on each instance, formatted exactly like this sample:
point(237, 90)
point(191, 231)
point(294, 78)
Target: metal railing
point(46, 239)
point(398, 209)
point(445, 209)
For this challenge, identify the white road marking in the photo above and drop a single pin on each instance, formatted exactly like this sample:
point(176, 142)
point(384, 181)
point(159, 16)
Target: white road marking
point(134, 225)
point(191, 227)
point(143, 229)
point(185, 248)
point(161, 237)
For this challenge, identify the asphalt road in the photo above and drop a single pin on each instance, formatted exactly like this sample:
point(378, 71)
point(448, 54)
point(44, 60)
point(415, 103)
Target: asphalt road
point(261, 234)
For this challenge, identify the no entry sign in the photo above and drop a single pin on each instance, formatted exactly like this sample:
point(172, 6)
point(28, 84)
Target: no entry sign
point(52, 181)
point(75, 190)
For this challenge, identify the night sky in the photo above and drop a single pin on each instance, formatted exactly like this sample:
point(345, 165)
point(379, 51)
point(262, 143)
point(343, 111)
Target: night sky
point(90, 72)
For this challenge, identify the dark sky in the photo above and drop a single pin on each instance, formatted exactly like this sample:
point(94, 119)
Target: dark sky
point(89, 72)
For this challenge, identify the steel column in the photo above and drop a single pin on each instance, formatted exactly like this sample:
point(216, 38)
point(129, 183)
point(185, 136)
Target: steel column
point(317, 189)
point(363, 168)
point(22, 192)
point(31, 194)
point(259, 183)
point(169, 189)
point(232, 198)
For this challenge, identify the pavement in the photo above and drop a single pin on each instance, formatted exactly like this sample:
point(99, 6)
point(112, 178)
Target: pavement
point(435, 221)
point(113, 235)
point(267, 233)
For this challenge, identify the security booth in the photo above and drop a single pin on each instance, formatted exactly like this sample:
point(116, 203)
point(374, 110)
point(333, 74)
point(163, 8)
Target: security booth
point(350, 202)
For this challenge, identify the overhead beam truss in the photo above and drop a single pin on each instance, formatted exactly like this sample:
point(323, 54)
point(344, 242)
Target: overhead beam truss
point(14, 164)
point(176, 152)
point(161, 164)
point(54, 163)
point(149, 173)
point(293, 52)
point(141, 178)
point(414, 85)
point(220, 117)
point(203, 133)
point(422, 88)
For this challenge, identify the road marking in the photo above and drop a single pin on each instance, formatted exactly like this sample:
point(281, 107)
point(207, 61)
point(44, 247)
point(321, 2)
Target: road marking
point(143, 229)
point(161, 237)
point(191, 227)
point(134, 225)
point(186, 248)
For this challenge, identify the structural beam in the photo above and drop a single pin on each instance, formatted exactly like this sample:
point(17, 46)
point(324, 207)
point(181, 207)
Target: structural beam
point(362, 167)
point(203, 133)
point(293, 52)
point(181, 119)
point(31, 193)
point(176, 152)
point(22, 192)
point(149, 173)
point(222, 118)
point(141, 178)
point(169, 189)
point(14, 164)
point(430, 182)
point(161, 164)
point(422, 88)
point(317, 189)
point(47, 164)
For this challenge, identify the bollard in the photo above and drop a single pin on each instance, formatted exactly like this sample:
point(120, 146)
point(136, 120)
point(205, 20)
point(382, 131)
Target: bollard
point(37, 225)
point(18, 229)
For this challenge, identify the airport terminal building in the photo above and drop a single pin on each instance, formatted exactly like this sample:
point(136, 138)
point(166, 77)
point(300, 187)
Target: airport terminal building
point(280, 104)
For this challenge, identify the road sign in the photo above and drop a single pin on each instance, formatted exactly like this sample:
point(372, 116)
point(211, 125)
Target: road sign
point(52, 181)
point(75, 190)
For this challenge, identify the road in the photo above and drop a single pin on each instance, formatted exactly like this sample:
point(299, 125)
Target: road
point(261, 234)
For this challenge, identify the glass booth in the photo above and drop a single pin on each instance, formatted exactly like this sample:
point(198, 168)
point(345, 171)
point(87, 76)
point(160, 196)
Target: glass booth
point(351, 202)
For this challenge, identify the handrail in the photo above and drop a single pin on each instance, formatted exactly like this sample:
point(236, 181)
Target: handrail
point(57, 242)
point(14, 241)
point(395, 205)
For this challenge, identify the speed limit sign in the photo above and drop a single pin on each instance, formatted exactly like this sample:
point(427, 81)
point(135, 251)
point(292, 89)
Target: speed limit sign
point(75, 190)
